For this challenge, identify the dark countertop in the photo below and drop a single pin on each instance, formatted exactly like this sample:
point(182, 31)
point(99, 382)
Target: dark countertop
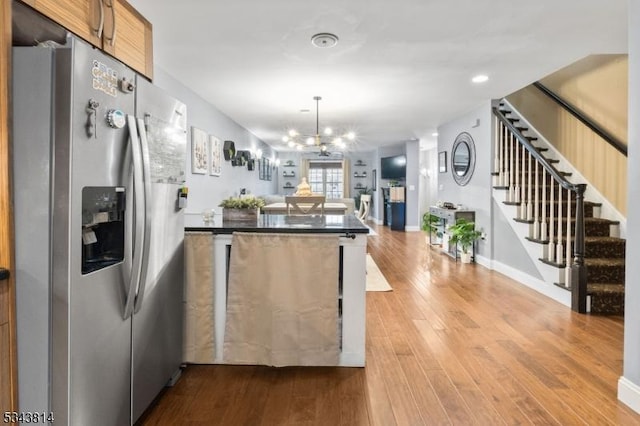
point(279, 223)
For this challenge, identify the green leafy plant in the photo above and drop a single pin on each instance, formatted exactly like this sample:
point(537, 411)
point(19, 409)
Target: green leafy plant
point(464, 233)
point(429, 224)
point(242, 203)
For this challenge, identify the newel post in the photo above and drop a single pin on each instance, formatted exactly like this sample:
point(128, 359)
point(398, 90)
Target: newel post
point(579, 269)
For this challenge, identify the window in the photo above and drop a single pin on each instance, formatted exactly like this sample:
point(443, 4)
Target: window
point(326, 178)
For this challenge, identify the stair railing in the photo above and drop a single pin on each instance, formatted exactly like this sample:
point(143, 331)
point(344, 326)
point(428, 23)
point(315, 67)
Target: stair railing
point(528, 176)
point(582, 117)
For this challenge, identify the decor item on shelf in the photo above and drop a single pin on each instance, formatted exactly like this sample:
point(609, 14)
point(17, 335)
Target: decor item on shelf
point(464, 234)
point(208, 215)
point(319, 141)
point(241, 208)
point(289, 163)
point(288, 185)
point(359, 163)
point(303, 189)
point(242, 157)
point(229, 150)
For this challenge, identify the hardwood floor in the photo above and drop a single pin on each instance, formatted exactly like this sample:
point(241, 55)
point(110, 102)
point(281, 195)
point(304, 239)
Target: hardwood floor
point(451, 344)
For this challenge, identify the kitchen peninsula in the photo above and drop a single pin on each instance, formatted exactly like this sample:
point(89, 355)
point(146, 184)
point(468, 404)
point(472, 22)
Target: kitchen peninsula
point(281, 262)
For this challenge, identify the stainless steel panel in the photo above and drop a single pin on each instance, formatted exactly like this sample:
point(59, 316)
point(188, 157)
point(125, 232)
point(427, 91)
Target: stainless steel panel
point(33, 69)
point(99, 345)
point(157, 326)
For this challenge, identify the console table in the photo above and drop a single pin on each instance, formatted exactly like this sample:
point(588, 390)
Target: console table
point(448, 217)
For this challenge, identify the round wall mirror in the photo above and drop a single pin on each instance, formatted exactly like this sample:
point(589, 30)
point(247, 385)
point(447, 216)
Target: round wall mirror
point(463, 158)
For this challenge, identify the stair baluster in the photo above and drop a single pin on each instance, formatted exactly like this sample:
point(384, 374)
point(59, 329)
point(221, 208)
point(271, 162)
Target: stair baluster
point(522, 211)
point(559, 245)
point(543, 219)
point(503, 160)
point(496, 152)
point(567, 269)
point(551, 255)
point(530, 191)
point(536, 206)
point(510, 196)
point(518, 195)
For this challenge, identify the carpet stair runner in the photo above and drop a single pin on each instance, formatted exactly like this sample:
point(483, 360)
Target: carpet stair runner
point(605, 253)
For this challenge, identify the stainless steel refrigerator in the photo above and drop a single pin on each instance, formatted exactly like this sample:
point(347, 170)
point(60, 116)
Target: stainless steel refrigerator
point(98, 160)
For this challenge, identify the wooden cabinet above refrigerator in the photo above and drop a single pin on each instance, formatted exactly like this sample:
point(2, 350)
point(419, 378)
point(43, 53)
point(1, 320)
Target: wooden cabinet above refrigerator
point(111, 25)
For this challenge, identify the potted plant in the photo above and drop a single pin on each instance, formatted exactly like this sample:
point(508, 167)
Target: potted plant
point(241, 208)
point(464, 234)
point(430, 226)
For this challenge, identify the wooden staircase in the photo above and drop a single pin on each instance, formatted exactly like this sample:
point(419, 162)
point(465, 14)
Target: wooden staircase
point(550, 209)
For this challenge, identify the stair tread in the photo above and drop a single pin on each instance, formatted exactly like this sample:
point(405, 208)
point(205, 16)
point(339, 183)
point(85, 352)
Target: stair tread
point(595, 220)
point(596, 239)
point(604, 261)
point(601, 240)
point(605, 288)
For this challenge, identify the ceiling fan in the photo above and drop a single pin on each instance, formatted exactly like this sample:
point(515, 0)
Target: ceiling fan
point(320, 141)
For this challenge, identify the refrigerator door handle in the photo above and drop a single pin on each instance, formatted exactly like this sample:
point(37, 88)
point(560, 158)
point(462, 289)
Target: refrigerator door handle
point(146, 170)
point(138, 217)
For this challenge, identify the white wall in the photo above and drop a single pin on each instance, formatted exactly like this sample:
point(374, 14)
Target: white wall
point(206, 191)
point(476, 195)
point(412, 183)
point(629, 384)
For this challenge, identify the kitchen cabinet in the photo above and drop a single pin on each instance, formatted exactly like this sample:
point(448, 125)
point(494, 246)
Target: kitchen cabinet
point(111, 25)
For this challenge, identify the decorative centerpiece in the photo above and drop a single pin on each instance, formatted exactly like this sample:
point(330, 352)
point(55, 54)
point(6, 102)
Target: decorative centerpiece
point(303, 189)
point(241, 208)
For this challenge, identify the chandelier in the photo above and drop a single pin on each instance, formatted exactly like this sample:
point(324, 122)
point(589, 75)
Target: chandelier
point(321, 141)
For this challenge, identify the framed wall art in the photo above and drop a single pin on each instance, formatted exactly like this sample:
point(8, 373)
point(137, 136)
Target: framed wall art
point(442, 161)
point(215, 161)
point(199, 152)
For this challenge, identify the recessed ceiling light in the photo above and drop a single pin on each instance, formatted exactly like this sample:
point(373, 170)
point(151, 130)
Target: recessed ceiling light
point(324, 40)
point(434, 134)
point(480, 78)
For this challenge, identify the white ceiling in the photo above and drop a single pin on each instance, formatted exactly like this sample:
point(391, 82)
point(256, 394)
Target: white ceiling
point(400, 69)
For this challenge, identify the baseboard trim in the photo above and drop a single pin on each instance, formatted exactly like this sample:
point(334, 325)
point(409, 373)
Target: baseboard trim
point(629, 393)
point(549, 290)
point(412, 228)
